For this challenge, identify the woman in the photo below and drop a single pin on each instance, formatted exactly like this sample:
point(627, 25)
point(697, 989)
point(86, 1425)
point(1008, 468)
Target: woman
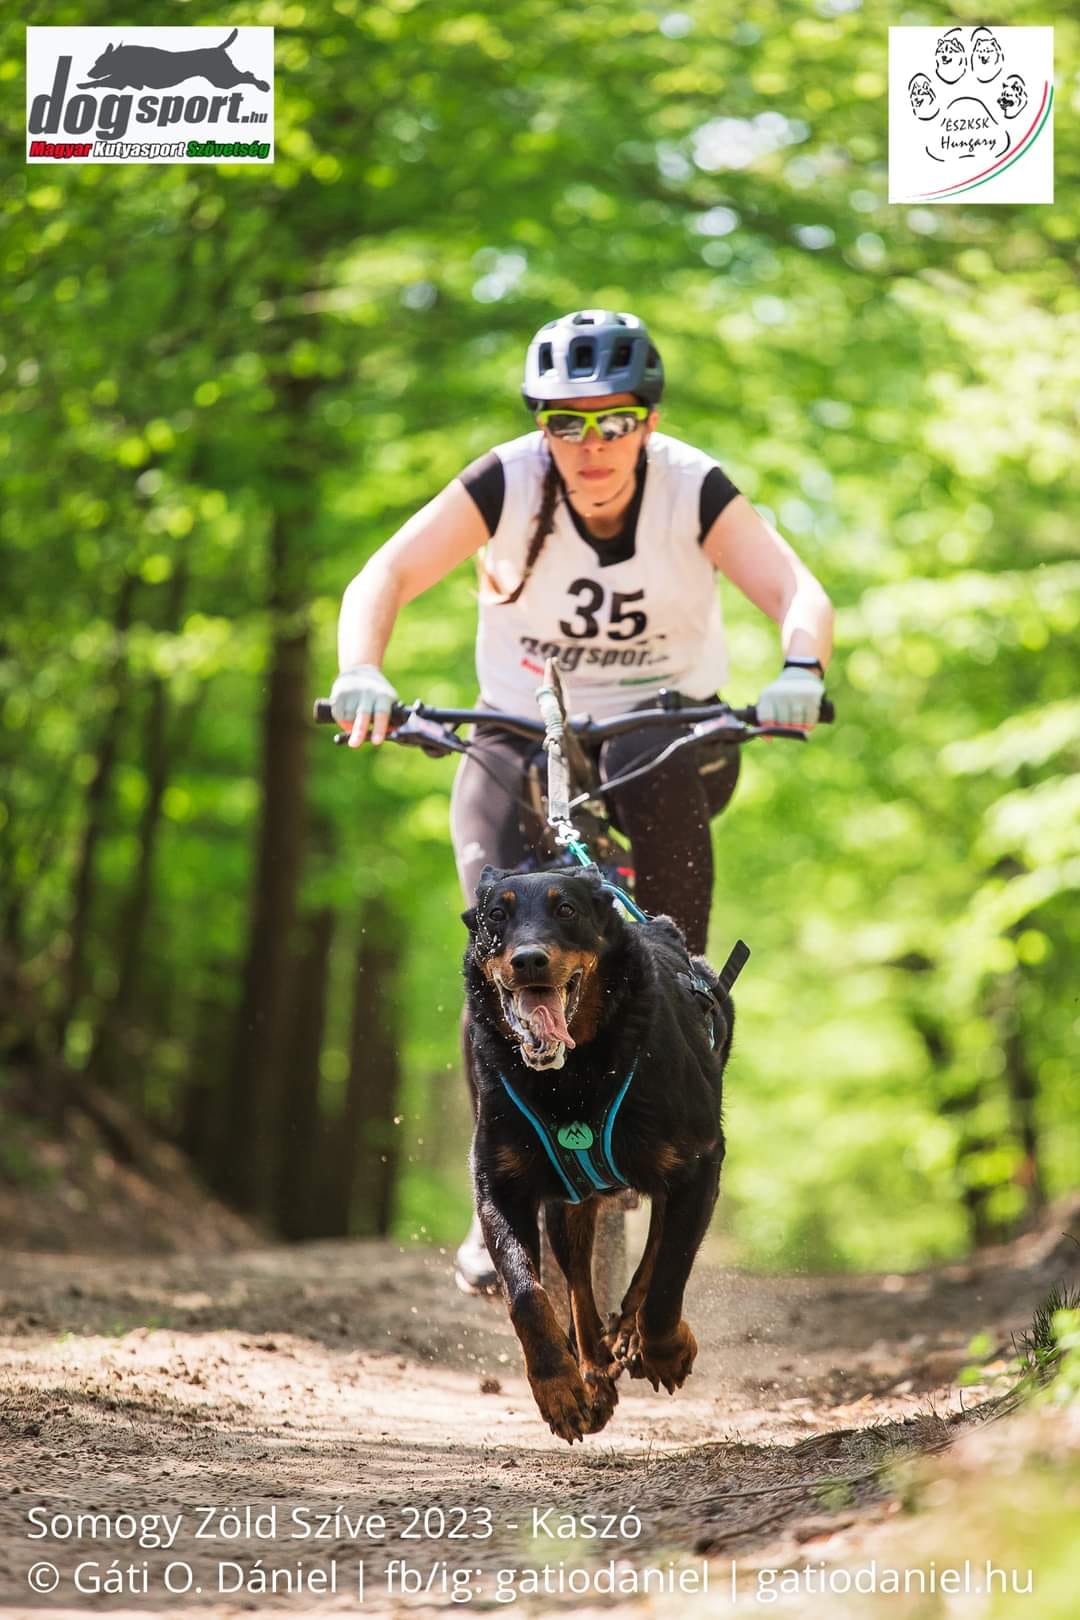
point(600, 541)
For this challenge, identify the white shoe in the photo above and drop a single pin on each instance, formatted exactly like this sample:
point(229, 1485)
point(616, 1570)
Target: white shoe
point(473, 1270)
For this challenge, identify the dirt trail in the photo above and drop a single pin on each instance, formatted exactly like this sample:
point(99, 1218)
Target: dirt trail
point(293, 1382)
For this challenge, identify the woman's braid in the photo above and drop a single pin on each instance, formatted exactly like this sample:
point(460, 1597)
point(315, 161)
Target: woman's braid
point(545, 522)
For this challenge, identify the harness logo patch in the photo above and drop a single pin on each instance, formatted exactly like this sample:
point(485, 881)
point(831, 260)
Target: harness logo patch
point(971, 115)
point(577, 1135)
point(150, 95)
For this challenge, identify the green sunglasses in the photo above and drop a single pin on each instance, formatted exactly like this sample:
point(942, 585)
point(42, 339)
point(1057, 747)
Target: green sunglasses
point(614, 423)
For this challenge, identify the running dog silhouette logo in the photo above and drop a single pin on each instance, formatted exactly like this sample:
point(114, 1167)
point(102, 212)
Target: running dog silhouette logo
point(971, 115)
point(187, 95)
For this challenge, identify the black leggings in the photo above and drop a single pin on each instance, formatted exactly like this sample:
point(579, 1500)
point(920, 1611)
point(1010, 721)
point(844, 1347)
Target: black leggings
point(665, 815)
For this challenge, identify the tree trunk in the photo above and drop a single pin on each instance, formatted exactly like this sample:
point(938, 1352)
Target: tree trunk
point(96, 804)
point(958, 1107)
point(245, 1169)
point(367, 1156)
point(1023, 1087)
point(248, 1164)
point(298, 1176)
point(198, 1120)
point(110, 1061)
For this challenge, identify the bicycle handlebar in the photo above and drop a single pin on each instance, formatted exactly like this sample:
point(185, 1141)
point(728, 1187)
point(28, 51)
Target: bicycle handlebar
point(587, 730)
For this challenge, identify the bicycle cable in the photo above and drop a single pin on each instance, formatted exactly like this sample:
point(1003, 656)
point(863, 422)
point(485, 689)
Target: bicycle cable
point(511, 793)
point(641, 766)
point(637, 768)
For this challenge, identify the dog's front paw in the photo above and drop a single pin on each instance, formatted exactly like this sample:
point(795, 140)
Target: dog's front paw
point(564, 1402)
point(602, 1395)
point(664, 1361)
point(621, 1339)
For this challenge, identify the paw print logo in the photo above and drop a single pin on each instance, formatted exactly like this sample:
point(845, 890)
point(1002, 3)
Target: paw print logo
point(968, 104)
point(968, 118)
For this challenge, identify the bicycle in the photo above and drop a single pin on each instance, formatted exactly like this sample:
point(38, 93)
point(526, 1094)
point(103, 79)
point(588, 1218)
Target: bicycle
point(568, 820)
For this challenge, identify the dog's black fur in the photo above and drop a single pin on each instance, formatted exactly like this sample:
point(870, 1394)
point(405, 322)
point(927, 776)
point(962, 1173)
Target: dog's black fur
point(633, 1004)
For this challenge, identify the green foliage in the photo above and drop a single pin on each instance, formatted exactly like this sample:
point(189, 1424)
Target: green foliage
point(1066, 1333)
point(198, 362)
point(1048, 1351)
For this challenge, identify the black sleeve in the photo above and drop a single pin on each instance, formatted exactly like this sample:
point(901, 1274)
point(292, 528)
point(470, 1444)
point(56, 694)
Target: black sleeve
point(486, 483)
point(716, 491)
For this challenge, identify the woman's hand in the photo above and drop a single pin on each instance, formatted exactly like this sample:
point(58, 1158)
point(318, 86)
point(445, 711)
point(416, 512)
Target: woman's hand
point(360, 698)
point(793, 699)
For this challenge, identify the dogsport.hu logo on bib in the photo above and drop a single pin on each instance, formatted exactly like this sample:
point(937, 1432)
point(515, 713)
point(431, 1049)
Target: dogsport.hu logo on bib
point(150, 95)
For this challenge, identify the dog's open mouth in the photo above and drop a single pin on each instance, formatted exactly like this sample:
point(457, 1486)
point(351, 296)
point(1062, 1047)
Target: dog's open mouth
point(538, 1016)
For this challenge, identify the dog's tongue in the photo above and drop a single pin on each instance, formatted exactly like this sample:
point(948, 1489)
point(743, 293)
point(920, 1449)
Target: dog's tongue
point(543, 1012)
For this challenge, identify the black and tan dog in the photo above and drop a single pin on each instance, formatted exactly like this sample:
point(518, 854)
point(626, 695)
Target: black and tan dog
point(596, 1048)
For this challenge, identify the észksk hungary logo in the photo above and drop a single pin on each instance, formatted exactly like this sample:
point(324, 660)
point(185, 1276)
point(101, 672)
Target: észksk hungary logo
point(150, 95)
point(971, 114)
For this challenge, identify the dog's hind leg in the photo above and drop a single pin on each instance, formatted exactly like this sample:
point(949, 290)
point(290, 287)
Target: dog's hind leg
point(621, 1335)
point(593, 1355)
point(666, 1348)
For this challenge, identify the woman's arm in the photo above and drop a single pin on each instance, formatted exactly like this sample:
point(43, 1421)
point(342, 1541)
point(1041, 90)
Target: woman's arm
point(750, 553)
point(442, 534)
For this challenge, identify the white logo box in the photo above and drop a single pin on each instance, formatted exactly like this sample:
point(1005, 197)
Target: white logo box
point(971, 114)
point(150, 95)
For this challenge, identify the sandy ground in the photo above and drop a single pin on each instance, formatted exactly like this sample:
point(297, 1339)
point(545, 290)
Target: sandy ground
point(274, 1400)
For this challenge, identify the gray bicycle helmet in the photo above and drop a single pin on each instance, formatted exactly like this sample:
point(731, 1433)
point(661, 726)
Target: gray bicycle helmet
point(592, 351)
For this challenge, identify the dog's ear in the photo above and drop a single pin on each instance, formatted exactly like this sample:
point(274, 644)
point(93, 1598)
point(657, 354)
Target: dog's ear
point(612, 921)
point(469, 919)
point(492, 874)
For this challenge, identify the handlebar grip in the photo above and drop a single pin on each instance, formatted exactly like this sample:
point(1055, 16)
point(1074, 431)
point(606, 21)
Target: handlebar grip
point(826, 713)
point(323, 714)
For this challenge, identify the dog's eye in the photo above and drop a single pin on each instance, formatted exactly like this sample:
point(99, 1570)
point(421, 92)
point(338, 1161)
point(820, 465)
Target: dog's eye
point(564, 909)
point(497, 914)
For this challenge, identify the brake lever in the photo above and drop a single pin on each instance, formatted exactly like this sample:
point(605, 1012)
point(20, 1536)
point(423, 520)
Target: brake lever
point(725, 725)
point(792, 733)
point(427, 735)
point(417, 732)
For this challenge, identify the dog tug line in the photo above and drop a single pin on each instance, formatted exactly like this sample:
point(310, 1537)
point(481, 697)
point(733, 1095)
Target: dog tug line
point(579, 1152)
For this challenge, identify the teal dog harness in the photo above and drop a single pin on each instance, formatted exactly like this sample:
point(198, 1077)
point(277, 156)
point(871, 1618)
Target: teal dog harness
point(580, 1155)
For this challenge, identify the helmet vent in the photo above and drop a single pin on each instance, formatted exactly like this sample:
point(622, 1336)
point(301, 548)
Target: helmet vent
point(545, 358)
point(621, 358)
point(582, 357)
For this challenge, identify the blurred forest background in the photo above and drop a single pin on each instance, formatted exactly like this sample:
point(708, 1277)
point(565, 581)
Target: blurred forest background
point(222, 388)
